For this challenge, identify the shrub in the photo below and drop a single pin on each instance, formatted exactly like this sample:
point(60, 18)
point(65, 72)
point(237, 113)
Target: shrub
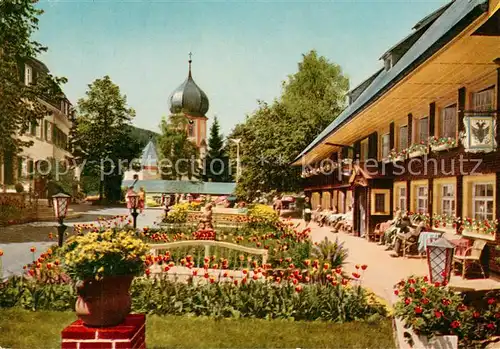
point(19, 188)
point(333, 253)
point(262, 216)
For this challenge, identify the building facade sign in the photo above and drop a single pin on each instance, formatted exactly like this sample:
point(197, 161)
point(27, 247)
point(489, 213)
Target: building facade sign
point(479, 135)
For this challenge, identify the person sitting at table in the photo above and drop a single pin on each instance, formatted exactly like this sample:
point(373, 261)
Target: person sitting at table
point(345, 223)
point(316, 213)
point(401, 223)
point(411, 235)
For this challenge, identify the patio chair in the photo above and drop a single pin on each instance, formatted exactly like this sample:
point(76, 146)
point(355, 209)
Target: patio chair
point(471, 256)
point(410, 239)
point(379, 230)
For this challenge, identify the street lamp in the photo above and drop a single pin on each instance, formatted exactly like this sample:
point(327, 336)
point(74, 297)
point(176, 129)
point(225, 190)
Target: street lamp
point(134, 204)
point(237, 141)
point(60, 203)
point(439, 259)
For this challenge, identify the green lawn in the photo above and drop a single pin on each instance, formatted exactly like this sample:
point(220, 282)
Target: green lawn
point(24, 329)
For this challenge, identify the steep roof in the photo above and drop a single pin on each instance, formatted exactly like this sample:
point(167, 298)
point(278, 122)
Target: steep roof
point(149, 155)
point(432, 39)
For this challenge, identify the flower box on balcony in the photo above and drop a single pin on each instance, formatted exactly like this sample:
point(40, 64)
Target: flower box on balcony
point(442, 147)
point(398, 158)
point(416, 153)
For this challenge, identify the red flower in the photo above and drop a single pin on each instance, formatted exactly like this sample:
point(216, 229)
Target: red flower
point(344, 282)
point(33, 250)
point(475, 314)
point(396, 292)
point(438, 314)
point(425, 301)
point(490, 326)
point(298, 288)
point(356, 275)
point(491, 301)
point(338, 270)
point(235, 282)
point(357, 266)
point(462, 307)
point(445, 301)
point(411, 290)
point(411, 281)
point(424, 290)
point(195, 272)
point(167, 269)
point(455, 324)
point(418, 310)
point(364, 266)
point(407, 301)
point(206, 276)
point(295, 281)
point(437, 284)
point(148, 272)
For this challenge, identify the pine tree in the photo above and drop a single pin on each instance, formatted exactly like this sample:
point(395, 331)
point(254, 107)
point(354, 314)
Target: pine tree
point(216, 160)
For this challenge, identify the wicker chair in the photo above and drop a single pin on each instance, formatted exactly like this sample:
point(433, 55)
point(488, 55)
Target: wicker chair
point(379, 230)
point(411, 239)
point(471, 256)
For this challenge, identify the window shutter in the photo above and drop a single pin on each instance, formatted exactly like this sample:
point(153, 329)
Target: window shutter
point(373, 146)
point(391, 135)
point(432, 118)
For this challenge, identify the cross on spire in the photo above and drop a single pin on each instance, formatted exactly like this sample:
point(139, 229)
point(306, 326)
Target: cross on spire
point(190, 61)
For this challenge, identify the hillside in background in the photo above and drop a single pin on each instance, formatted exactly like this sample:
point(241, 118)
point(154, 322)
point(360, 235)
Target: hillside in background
point(143, 135)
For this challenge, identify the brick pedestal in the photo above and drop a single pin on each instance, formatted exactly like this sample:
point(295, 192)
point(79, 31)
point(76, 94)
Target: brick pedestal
point(131, 334)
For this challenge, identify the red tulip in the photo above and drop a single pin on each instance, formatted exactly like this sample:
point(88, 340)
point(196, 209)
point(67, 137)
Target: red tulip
point(364, 266)
point(33, 250)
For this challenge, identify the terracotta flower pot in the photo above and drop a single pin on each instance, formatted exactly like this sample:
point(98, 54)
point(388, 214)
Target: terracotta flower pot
point(105, 302)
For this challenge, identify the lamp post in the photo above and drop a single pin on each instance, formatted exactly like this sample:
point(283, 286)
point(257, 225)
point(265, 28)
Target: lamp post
point(440, 259)
point(134, 204)
point(60, 203)
point(237, 141)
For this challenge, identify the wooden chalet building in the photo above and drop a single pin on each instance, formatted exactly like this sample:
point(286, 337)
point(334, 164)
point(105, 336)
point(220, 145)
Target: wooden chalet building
point(421, 134)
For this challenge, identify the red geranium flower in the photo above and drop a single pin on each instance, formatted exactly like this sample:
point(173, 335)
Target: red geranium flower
point(491, 301)
point(425, 300)
point(490, 326)
point(411, 281)
point(455, 324)
point(438, 314)
point(462, 307)
point(426, 278)
point(418, 310)
point(407, 301)
point(411, 290)
point(475, 314)
point(437, 284)
point(396, 292)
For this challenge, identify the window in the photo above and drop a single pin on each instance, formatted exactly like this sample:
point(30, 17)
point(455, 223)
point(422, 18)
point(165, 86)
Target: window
point(421, 199)
point(364, 150)
point(403, 137)
point(380, 203)
point(402, 199)
point(33, 128)
point(448, 199)
point(448, 124)
point(28, 75)
point(45, 129)
point(483, 100)
point(423, 130)
point(482, 196)
point(39, 130)
point(191, 130)
point(49, 132)
point(386, 146)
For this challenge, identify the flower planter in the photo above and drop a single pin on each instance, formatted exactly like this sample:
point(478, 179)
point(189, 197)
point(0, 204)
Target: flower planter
point(420, 342)
point(399, 158)
point(416, 153)
point(442, 147)
point(105, 302)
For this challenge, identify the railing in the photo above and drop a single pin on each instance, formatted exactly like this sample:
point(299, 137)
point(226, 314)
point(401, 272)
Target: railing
point(221, 249)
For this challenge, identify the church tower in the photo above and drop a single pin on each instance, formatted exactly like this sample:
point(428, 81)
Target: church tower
point(190, 100)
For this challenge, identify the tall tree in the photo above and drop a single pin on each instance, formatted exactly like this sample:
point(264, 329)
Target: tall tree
point(179, 157)
point(216, 162)
point(21, 104)
point(276, 133)
point(101, 138)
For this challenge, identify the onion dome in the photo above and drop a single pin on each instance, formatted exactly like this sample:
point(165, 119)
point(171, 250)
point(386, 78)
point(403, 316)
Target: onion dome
point(188, 98)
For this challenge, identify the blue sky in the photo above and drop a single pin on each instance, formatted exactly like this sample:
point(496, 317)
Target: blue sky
point(242, 51)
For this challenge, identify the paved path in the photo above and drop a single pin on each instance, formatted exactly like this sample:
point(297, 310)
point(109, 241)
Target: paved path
point(16, 255)
point(383, 270)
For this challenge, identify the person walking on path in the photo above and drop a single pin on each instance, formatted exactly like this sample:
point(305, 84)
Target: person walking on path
point(130, 191)
point(307, 211)
point(142, 200)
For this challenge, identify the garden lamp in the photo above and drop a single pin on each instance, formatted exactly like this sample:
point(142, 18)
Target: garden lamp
point(440, 259)
point(60, 204)
point(134, 205)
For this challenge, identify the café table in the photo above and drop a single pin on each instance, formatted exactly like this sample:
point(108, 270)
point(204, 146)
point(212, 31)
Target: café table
point(425, 238)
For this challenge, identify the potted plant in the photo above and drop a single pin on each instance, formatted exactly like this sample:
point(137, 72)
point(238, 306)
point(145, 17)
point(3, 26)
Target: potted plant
point(480, 226)
point(104, 265)
point(442, 143)
point(417, 149)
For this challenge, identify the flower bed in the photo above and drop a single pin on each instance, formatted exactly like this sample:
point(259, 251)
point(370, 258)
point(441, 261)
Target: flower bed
point(434, 310)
